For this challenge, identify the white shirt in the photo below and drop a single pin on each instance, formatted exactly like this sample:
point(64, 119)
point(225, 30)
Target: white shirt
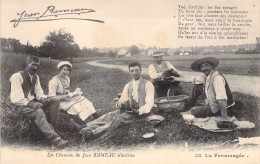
point(219, 87)
point(195, 79)
point(17, 95)
point(149, 98)
point(153, 73)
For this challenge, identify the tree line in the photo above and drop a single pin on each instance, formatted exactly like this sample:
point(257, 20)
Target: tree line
point(57, 45)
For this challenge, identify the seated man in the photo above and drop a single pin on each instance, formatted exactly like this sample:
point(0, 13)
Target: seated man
point(137, 100)
point(160, 72)
point(215, 87)
point(28, 99)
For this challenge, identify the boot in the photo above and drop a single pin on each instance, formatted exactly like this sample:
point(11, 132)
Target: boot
point(60, 143)
point(95, 115)
point(76, 126)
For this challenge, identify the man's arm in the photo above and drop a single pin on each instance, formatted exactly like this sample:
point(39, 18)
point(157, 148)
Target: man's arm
point(223, 108)
point(38, 90)
point(123, 98)
point(170, 66)
point(152, 72)
point(17, 95)
point(221, 96)
point(149, 99)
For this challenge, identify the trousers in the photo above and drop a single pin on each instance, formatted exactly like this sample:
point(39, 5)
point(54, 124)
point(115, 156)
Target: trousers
point(161, 88)
point(110, 121)
point(194, 95)
point(39, 118)
point(203, 111)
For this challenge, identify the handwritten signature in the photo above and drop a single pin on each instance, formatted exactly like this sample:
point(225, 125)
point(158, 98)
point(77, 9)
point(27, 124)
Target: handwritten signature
point(52, 12)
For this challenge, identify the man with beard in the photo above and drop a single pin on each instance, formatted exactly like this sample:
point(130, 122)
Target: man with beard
point(28, 100)
point(215, 87)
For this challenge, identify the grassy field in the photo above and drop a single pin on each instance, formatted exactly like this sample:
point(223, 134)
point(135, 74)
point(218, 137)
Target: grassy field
point(101, 86)
point(242, 64)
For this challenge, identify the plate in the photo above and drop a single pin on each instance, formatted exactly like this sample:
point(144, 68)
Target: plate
point(148, 135)
point(155, 118)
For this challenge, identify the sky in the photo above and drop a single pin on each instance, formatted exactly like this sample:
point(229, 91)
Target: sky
point(133, 22)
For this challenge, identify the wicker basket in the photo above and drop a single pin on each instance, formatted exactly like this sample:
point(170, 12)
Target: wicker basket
point(171, 103)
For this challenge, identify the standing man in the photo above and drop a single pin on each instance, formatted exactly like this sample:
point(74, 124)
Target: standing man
point(28, 100)
point(135, 103)
point(215, 87)
point(160, 72)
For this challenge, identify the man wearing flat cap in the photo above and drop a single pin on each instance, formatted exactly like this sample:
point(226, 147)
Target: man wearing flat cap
point(215, 87)
point(27, 99)
point(161, 73)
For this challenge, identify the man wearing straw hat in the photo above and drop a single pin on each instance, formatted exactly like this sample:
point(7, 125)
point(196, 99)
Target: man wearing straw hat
point(215, 87)
point(158, 71)
point(28, 99)
point(135, 103)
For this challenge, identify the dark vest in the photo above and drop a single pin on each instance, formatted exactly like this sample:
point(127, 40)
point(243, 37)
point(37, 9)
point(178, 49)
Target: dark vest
point(28, 85)
point(141, 93)
point(230, 99)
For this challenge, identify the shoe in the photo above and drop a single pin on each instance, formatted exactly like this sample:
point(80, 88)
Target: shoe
point(76, 126)
point(95, 115)
point(60, 144)
point(88, 135)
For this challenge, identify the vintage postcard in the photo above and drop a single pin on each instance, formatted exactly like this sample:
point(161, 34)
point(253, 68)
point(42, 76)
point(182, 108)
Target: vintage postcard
point(113, 81)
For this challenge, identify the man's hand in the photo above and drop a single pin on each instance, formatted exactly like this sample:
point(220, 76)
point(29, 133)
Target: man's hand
point(136, 111)
point(44, 100)
point(35, 105)
point(119, 105)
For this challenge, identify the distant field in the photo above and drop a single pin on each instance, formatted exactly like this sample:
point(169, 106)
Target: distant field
point(242, 64)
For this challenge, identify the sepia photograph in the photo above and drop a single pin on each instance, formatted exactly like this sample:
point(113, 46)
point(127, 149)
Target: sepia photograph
point(113, 81)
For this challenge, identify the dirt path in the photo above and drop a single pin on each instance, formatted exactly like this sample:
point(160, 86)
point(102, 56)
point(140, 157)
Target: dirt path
point(244, 84)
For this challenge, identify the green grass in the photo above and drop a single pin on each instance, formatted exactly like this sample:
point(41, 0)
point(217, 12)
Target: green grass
point(101, 86)
point(242, 64)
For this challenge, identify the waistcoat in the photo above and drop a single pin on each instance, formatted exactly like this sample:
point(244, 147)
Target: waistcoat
point(211, 94)
point(28, 85)
point(141, 92)
point(158, 69)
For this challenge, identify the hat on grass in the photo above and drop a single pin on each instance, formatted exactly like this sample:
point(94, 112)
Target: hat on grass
point(195, 66)
point(62, 63)
point(159, 53)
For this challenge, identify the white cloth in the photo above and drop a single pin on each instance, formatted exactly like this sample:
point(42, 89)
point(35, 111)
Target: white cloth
point(77, 105)
point(17, 94)
point(210, 123)
point(149, 99)
point(219, 86)
point(154, 74)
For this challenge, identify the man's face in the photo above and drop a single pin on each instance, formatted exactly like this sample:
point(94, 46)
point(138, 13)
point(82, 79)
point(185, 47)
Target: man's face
point(157, 59)
point(32, 67)
point(206, 68)
point(135, 72)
